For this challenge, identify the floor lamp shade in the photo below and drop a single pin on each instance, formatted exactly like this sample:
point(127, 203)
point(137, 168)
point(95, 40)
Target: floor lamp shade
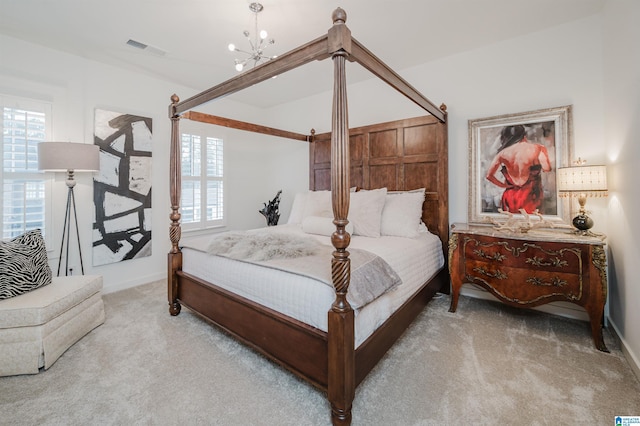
point(64, 156)
point(69, 157)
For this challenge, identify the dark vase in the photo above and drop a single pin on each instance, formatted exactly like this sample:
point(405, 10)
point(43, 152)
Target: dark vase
point(583, 222)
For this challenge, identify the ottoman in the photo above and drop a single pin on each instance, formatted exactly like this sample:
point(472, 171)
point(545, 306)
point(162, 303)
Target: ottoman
point(37, 327)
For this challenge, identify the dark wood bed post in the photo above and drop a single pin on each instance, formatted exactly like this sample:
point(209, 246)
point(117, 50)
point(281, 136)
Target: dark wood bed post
point(341, 351)
point(175, 178)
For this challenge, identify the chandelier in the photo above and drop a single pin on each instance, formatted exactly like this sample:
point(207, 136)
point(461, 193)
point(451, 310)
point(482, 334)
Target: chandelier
point(258, 43)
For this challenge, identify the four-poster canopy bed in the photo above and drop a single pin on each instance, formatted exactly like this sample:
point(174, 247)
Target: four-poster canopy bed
point(401, 155)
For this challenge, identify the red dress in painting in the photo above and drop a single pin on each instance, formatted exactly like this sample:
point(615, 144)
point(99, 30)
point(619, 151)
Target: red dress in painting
point(527, 196)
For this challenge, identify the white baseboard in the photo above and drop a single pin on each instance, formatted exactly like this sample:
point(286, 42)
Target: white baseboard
point(631, 358)
point(113, 287)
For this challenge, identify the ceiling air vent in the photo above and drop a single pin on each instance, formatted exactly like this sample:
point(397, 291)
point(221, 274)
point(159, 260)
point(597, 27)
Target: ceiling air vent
point(147, 48)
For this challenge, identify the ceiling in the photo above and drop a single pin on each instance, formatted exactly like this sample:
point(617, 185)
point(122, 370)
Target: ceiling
point(194, 34)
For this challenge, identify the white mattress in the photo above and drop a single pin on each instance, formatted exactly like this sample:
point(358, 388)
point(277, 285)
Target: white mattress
point(415, 260)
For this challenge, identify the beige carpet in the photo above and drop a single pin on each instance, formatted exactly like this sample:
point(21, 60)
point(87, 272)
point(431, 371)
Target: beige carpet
point(487, 364)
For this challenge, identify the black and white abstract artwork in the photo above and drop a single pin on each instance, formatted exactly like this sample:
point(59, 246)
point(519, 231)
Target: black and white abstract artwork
point(122, 187)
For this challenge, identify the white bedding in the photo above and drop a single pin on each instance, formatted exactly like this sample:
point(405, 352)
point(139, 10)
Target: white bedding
point(415, 260)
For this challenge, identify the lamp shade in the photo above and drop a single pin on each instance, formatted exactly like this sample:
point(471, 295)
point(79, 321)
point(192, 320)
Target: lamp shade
point(65, 156)
point(582, 179)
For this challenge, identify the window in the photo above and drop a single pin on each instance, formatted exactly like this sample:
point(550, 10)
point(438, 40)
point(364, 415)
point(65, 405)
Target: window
point(202, 203)
point(24, 125)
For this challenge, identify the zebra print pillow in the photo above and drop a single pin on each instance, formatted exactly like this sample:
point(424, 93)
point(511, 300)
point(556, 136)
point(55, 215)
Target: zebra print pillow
point(24, 265)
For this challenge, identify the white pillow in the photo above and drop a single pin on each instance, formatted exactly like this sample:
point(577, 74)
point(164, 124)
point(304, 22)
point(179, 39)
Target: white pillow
point(297, 208)
point(365, 211)
point(322, 226)
point(402, 213)
point(318, 204)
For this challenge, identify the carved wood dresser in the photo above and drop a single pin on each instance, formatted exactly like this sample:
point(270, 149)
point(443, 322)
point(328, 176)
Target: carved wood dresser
point(531, 269)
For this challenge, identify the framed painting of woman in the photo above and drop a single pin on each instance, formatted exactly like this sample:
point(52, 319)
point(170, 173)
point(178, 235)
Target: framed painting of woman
point(513, 160)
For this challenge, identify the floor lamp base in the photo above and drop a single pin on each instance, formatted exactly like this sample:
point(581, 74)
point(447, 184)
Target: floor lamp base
point(66, 228)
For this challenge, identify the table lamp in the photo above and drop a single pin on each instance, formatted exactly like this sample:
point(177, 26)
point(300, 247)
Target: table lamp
point(70, 158)
point(582, 181)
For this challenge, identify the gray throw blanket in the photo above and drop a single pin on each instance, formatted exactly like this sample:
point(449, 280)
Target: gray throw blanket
point(371, 276)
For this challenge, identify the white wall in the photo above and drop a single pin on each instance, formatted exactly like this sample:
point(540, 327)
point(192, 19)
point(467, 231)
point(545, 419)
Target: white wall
point(622, 120)
point(76, 87)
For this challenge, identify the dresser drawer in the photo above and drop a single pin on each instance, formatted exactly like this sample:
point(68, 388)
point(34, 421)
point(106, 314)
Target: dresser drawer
point(522, 254)
point(524, 272)
point(525, 286)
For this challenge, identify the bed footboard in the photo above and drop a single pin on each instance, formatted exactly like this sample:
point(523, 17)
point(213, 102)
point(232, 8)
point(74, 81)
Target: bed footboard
point(300, 348)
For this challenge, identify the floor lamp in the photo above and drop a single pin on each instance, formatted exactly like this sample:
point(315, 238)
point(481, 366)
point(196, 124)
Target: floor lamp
point(70, 158)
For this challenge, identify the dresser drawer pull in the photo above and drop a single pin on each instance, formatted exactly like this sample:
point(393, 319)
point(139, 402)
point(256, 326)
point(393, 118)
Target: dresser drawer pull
point(495, 256)
point(498, 274)
point(556, 262)
point(555, 282)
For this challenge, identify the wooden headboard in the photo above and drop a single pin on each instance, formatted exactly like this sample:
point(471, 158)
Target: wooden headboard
point(399, 155)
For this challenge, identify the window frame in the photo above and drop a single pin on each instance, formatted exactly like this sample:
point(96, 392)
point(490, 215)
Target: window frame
point(202, 179)
point(46, 108)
